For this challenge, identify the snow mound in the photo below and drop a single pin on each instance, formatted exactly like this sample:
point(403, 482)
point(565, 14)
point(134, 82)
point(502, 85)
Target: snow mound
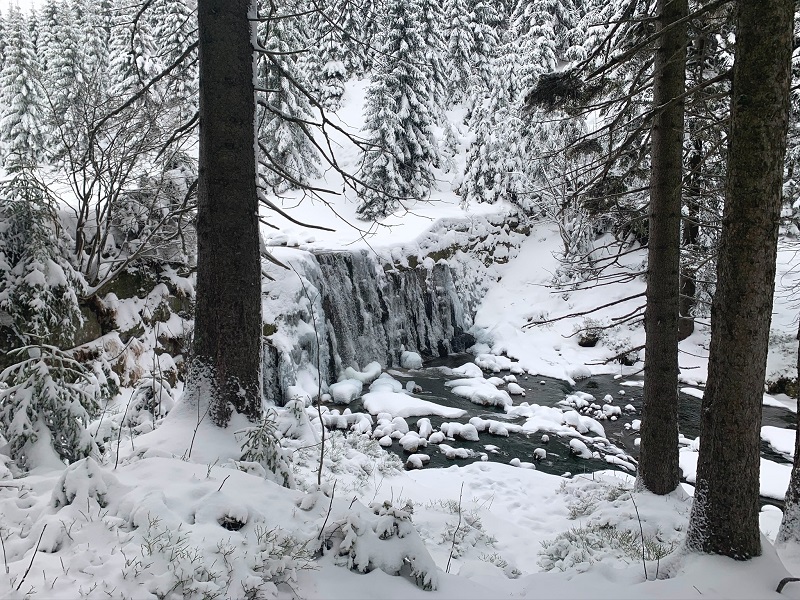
point(480, 391)
point(469, 370)
point(403, 405)
point(410, 360)
point(578, 447)
point(344, 392)
point(579, 372)
point(370, 373)
point(459, 430)
point(515, 389)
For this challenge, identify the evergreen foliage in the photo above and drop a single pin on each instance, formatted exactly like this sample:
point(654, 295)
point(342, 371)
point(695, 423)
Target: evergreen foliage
point(398, 119)
point(21, 136)
point(38, 286)
point(289, 158)
point(48, 398)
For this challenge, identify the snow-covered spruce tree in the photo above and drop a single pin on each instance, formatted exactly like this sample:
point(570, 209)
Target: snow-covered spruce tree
point(288, 157)
point(46, 396)
point(38, 286)
point(339, 49)
point(46, 402)
point(332, 73)
point(21, 138)
point(432, 23)
point(3, 42)
point(132, 52)
point(460, 45)
point(373, 11)
point(483, 22)
point(94, 20)
point(61, 60)
point(174, 25)
point(398, 120)
point(495, 168)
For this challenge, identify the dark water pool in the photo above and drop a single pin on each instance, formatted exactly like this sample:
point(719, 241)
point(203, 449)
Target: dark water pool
point(546, 391)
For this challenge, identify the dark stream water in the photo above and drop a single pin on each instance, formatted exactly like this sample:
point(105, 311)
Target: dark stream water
point(545, 391)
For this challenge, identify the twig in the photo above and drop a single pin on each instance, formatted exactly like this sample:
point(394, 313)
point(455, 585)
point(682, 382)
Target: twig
point(196, 427)
point(330, 507)
point(121, 426)
point(219, 489)
point(453, 546)
point(28, 570)
point(5, 558)
point(783, 583)
point(641, 531)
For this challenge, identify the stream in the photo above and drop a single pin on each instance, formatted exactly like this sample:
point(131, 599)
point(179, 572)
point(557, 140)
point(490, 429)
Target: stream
point(544, 391)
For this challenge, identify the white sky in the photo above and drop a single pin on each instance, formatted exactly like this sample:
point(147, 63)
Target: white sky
point(25, 5)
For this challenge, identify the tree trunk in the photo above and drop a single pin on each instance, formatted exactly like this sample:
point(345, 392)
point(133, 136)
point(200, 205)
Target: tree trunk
point(697, 63)
point(227, 336)
point(691, 233)
point(790, 524)
point(658, 461)
point(724, 517)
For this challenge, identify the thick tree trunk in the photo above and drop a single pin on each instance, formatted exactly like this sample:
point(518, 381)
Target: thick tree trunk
point(724, 517)
point(790, 524)
point(658, 461)
point(227, 336)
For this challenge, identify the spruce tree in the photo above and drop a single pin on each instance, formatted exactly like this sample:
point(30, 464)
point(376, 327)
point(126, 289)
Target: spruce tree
point(333, 73)
point(432, 23)
point(174, 26)
point(21, 137)
point(225, 372)
point(460, 48)
point(289, 158)
point(2, 39)
point(724, 517)
point(62, 77)
point(132, 51)
point(495, 165)
point(483, 22)
point(398, 120)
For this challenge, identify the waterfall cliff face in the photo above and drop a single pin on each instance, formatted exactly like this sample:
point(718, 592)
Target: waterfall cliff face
point(337, 309)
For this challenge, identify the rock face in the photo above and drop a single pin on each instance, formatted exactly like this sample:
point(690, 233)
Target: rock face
point(363, 311)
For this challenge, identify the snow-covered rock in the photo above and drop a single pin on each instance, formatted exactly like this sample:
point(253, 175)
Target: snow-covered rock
point(576, 446)
point(370, 373)
point(344, 392)
point(459, 430)
point(410, 360)
point(515, 389)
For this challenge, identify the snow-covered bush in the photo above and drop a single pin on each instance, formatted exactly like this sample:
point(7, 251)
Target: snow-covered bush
point(581, 547)
point(38, 286)
point(383, 537)
point(260, 444)
point(48, 400)
point(151, 400)
point(82, 482)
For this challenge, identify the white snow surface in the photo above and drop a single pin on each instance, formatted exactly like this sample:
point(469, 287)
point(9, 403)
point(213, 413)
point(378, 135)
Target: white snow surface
point(402, 405)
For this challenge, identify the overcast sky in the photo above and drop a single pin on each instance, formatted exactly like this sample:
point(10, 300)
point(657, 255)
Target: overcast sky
point(25, 5)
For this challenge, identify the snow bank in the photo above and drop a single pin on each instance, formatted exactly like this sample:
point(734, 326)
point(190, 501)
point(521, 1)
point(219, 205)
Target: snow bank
point(403, 405)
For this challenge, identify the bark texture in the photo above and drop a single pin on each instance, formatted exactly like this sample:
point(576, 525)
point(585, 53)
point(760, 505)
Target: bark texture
point(658, 462)
point(227, 337)
point(724, 517)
